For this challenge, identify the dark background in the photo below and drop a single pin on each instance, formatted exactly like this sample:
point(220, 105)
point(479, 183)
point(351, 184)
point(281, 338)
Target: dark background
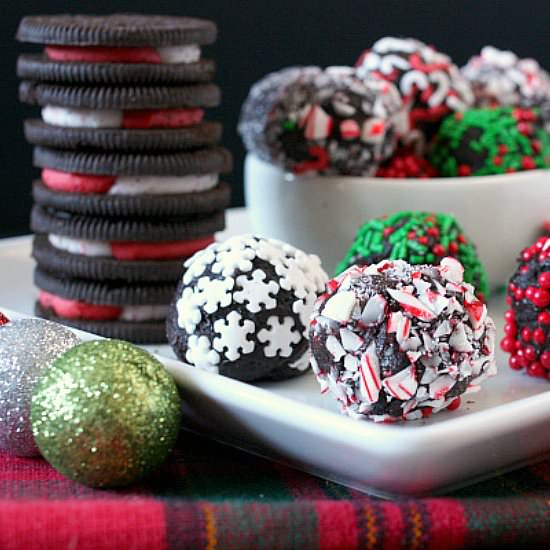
point(258, 36)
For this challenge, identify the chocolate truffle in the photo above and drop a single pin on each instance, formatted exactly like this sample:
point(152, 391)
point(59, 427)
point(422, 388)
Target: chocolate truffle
point(527, 322)
point(242, 308)
point(486, 141)
point(429, 82)
point(259, 104)
point(325, 122)
point(499, 77)
point(394, 341)
point(418, 238)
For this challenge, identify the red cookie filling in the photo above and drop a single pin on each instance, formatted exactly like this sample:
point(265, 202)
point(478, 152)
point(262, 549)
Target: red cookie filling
point(100, 54)
point(169, 250)
point(74, 309)
point(69, 182)
point(162, 118)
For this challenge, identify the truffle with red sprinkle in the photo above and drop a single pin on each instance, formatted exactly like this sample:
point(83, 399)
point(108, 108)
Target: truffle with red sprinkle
point(527, 322)
point(394, 341)
point(405, 163)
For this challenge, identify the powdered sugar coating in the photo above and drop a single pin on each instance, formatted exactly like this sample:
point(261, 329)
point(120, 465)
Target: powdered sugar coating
point(259, 104)
point(430, 84)
point(394, 341)
point(242, 308)
point(324, 121)
point(499, 77)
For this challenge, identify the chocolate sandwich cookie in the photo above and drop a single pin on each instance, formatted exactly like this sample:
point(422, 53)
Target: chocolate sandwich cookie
point(169, 203)
point(39, 67)
point(61, 262)
point(213, 160)
point(129, 312)
point(202, 134)
point(118, 250)
point(58, 222)
point(117, 49)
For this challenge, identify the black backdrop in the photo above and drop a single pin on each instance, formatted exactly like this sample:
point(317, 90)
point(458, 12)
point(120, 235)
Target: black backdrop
point(257, 36)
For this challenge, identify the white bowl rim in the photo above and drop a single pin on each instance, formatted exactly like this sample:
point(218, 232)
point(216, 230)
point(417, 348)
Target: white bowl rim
point(493, 179)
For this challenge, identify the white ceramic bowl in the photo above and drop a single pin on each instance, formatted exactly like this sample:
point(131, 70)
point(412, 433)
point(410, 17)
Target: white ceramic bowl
point(500, 214)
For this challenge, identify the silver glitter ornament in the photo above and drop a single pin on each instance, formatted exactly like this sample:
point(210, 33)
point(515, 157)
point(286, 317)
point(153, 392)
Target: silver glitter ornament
point(27, 347)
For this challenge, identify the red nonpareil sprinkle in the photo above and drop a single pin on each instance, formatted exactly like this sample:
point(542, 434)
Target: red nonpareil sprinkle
point(405, 164)
point(514, 362)
point(528, 163)
point(438, 250)
point(318, 164)
point(464, 170)
point(454, 404)
point(3, 319)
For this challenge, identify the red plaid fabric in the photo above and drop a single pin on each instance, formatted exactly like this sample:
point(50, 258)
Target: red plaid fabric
point(208, 496)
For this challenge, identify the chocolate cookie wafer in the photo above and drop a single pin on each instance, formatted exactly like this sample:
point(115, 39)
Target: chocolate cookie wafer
point(39, 67)
point(118, 30)
point(47, 220)
point(212, 160)
point(119, 97)
point(138, 140)
point(143, 205)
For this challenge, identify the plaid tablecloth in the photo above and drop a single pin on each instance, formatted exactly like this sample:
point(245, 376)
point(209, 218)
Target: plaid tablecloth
point(209, 496)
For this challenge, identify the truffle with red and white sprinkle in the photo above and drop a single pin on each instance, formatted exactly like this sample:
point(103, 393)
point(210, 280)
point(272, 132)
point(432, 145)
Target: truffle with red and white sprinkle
point(430, 84)
point(499, 77)
point(326, 122)
point(394, 341)
point(527, 322)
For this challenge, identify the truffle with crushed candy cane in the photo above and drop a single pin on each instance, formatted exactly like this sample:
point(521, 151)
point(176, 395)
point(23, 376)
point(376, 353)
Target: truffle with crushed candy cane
point(499, 77)
point(259, 104)
point(323, 121)
point(430, 84)
point(394, 341)
point(242, 308)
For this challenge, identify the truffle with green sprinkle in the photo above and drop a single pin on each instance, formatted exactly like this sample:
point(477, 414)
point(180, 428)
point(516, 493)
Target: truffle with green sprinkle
point(479, 142)
point(418, 238)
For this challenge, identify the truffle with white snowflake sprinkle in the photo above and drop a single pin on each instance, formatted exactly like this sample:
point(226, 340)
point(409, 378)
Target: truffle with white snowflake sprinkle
point(242, 308)
point(394, 341)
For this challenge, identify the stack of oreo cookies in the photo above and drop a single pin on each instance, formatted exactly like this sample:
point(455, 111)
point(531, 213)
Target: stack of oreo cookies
point(130, 183)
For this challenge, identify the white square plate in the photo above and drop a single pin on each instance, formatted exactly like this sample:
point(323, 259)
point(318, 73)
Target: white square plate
point(500, 428)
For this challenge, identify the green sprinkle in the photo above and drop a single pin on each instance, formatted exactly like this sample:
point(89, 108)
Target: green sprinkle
point(370, 243)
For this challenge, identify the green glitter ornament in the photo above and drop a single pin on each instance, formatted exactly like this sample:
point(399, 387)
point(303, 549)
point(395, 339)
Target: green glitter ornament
point(480, 142)
point(105, 413)
point(418, 238)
